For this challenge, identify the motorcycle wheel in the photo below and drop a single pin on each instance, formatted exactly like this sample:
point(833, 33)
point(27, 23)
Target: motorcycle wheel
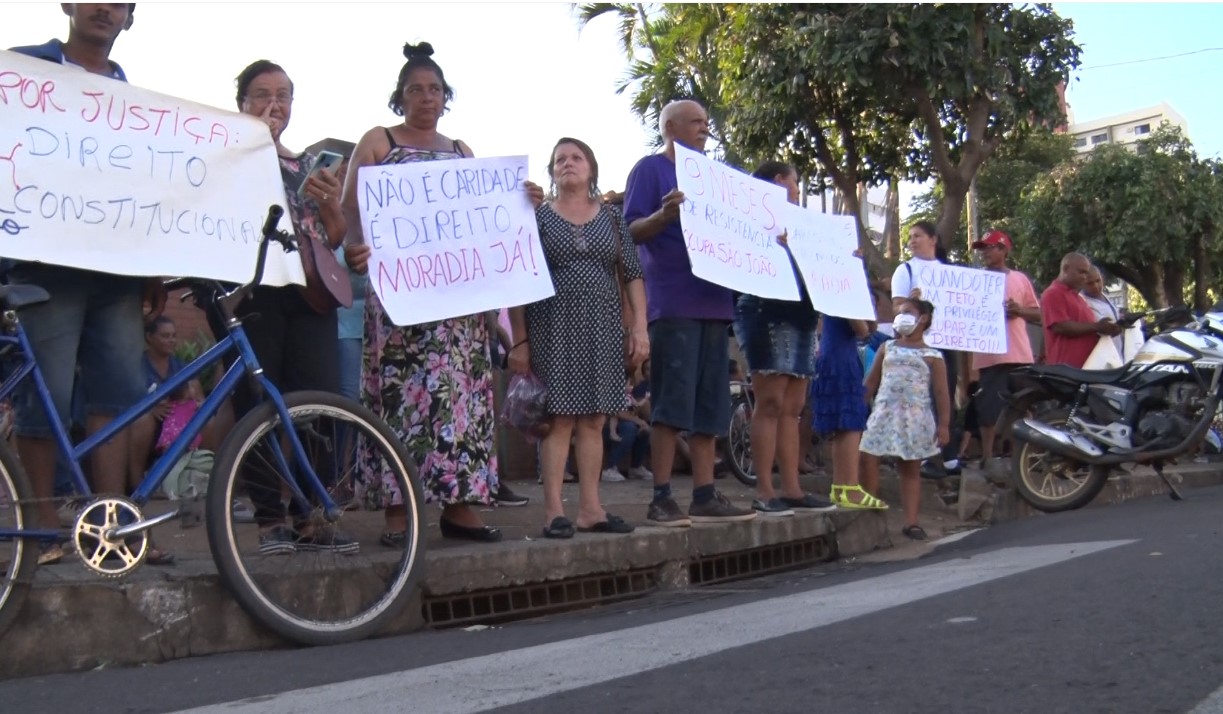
point(1053, 483)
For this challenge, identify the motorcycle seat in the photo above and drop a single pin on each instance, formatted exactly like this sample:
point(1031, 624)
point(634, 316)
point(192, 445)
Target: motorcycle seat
point(1074, 374)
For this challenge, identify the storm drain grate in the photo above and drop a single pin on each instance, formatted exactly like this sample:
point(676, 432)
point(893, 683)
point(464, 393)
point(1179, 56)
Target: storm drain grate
point(759, 561)
point(521, 601)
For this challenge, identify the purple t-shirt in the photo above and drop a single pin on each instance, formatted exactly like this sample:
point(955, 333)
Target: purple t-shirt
point(670, 287)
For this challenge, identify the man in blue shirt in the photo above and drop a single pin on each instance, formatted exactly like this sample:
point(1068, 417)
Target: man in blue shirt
point(93, 318)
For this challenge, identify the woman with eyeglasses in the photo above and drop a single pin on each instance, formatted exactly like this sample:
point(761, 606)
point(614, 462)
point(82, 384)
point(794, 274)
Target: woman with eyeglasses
point(297, 345)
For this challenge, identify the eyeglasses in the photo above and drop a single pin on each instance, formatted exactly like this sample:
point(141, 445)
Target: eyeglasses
point(267, 97)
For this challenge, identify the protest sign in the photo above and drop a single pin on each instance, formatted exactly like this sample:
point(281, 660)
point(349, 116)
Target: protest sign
point(823, 247)
point(969, 307)
point(731, 222)
point(101, 175)
point(451, 238)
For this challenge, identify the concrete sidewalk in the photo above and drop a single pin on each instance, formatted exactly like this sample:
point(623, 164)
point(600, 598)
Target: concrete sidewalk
point(75, 621)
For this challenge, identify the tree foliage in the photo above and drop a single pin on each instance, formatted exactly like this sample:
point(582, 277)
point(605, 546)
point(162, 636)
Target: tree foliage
point(1019, 161)
point(854, 93)
point(1150, 214)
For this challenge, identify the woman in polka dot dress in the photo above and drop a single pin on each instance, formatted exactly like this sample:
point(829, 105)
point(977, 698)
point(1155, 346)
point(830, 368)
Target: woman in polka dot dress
point(575, 339)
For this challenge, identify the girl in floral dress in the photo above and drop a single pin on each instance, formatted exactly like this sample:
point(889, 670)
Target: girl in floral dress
point(902, 424)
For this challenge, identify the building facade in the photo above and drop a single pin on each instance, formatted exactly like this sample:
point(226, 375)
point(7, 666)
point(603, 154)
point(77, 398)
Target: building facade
point(1125, 129)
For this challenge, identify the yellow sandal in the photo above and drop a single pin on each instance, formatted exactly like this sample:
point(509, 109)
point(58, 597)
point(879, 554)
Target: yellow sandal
point(840, 495)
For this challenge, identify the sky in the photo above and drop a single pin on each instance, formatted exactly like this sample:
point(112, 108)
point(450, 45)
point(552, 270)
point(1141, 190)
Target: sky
point(525, 75)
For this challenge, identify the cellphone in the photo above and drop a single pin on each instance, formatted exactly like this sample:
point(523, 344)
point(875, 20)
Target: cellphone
point(326, 160)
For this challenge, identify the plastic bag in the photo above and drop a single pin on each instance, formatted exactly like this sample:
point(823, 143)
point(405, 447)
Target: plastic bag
point(1104, 356)
point(526, 399)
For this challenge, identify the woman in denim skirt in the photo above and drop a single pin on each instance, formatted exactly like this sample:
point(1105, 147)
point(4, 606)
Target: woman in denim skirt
point(777, 337)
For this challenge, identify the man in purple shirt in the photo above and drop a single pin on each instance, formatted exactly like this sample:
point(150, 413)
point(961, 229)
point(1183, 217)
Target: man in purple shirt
point(688, 320)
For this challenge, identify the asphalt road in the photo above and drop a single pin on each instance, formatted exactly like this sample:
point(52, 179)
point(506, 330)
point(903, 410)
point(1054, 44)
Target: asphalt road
point(1113, 609)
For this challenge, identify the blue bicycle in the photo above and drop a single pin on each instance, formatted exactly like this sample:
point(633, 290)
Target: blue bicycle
point(290, 455)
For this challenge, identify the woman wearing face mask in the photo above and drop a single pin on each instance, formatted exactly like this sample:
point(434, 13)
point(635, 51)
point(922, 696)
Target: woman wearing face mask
point(902, 425)
point(778, 339)
point(927, 252)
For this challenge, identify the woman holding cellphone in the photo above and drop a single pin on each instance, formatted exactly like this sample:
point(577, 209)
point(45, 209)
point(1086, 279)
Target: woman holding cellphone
point(297, 345)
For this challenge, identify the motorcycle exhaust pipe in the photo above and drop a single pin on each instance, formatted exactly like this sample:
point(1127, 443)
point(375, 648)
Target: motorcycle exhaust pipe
point(1058, 441)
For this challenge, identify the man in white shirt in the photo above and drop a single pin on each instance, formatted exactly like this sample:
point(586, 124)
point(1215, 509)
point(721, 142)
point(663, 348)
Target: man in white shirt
point(1093, 294)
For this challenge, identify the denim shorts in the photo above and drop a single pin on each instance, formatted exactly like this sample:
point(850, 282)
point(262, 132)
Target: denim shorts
point(776, 337)
point(94, 319)
point(689, 375)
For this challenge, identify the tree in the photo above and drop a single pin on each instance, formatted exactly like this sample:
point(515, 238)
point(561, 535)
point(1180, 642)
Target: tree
point(671, 55)
point(908, 89)
point(1019, 161)
point(1151, 214)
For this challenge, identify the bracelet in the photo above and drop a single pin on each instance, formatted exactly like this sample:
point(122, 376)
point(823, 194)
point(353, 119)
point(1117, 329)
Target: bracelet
point(520, 344)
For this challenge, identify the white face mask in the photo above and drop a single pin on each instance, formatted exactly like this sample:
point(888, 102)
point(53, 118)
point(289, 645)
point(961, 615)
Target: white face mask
point(904, 324)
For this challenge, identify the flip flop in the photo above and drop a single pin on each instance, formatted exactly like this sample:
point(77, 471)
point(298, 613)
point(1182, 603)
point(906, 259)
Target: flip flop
point(158, 557)
point(560, 527)
point(913, 532)
point(611, 524)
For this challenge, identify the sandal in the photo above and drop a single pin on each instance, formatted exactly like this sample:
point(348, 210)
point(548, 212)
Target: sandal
point(840, 495)
point(50, 554)
point(913, 532)
point(394, 539)
point(560, 527)
point(156, 556)
point(610, 524)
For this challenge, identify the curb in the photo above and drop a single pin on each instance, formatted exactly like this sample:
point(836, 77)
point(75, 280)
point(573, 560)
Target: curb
point(74, 622)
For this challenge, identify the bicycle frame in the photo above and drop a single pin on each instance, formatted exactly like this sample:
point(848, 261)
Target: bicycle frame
point(247, 364)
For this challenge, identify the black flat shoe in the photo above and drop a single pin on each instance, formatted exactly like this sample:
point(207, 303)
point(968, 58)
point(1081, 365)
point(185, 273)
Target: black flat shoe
point(483, 534)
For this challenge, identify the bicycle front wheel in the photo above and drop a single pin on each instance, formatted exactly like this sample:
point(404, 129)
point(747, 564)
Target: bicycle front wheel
point(313, 581)
point(18, 556)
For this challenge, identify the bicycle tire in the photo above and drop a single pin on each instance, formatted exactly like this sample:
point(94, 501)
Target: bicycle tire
point(299, 617)
point(18, 557)
point(739, 441)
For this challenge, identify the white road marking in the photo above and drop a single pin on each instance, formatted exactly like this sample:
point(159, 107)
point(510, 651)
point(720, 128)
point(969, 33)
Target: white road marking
point(1210, 705)
point(956, 536)
point(504, 678)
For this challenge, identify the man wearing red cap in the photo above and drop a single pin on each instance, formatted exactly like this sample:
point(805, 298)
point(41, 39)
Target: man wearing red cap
point(1021, 308)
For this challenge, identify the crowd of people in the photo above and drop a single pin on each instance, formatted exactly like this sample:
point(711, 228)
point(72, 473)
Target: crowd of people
point(633, 347)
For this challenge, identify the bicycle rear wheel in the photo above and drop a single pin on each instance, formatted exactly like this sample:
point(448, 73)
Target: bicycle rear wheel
point(18, 556)
point(340, 584)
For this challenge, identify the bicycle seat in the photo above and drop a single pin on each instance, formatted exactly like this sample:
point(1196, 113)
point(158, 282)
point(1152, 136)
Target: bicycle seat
point(15, 297)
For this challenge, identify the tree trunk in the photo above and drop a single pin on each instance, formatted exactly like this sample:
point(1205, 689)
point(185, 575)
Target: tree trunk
point(891, 230)
point(954, 197)
point(1201, 271)
point(1174, 284)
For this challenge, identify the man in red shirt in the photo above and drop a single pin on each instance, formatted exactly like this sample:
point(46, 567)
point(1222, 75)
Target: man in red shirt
point(1071, 329)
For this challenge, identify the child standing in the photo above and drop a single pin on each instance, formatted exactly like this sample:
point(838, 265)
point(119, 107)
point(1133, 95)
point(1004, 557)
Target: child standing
point(840, 407)
point(902, 424)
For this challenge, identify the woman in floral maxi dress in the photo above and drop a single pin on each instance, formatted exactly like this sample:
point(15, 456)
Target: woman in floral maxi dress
point(432, 382)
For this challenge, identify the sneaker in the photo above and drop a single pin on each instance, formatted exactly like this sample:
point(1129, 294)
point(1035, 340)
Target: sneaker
point(611, 475)
point(280, 540)
point(666, 513)
point(506, 497)
point(327, 540)
point(771, 507)
point(640, 472)
point(719, 510)
point(241, 513)
point(809, 502)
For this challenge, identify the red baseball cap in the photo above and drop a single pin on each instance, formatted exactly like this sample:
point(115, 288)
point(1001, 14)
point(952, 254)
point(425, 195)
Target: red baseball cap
point(993, 238)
